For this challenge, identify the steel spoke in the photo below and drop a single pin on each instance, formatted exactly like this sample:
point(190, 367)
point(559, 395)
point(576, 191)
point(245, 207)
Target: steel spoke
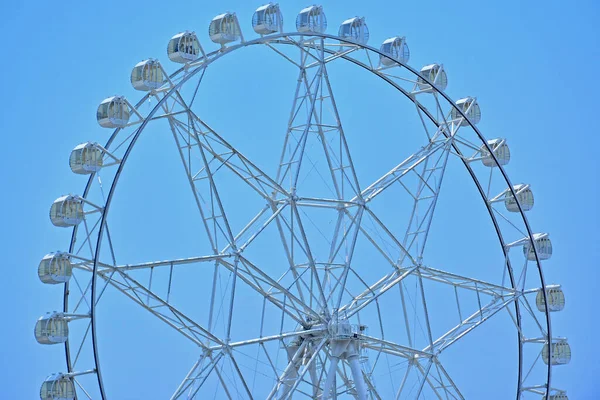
point(197, 376)
point(161, 309)
point(472, 322)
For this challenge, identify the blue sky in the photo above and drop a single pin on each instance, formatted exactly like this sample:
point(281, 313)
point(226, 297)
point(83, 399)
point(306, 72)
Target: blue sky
point(532, 66)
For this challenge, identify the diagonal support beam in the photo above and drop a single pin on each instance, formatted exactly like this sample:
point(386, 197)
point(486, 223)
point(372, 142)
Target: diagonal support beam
point(376, 290)
point(196, 377)
point(402, 169)
point(464, 282)
point(470, 323)
point(395, 349)
point(160, 308)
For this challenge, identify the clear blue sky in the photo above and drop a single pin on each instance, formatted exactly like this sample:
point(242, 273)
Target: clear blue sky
point(532, 65)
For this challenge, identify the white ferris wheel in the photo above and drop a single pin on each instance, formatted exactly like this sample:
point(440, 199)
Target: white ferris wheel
point(331, 287)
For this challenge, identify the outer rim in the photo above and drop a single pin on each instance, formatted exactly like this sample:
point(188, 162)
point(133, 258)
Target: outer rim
point(210, 58)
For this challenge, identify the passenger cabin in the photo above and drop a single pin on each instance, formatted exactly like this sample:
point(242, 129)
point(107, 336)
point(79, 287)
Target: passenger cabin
point(267, 19)
point(499, 149)
point(435, 74)
point(555, 297)
point(58, 387)
point(86, 158)
point(225, 29)
point(470, 108)
point(397, 49)
point(184, 48)
point(67, 211)
point(558, 396)
point(561, 353)
point(542, 244)
point(55, 268)
point(52, 328)
point(524, 195)
point(354, 30)
point(113, 112)
point(147, 75)
point(311, 20)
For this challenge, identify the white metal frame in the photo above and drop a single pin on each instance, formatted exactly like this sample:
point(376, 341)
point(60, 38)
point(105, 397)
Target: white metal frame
point(316, 304)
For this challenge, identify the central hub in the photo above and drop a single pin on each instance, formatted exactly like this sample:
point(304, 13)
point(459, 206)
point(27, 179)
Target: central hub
point(343, 329)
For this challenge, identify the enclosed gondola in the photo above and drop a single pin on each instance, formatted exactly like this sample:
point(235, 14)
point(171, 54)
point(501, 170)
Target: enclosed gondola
point(561, 352)
point(558, 396)
point(470, 108)
point(224, 28)
point(542, 244)
point(267, 19)
point(555, 297)
point(311, 19)
point(354, 30)
point(147, 75)
point(435, 74)
point(52, 328)
point(67, 211)
point(500, 150)
point(58, 387)
point(184, 48)
point(113, 112)
point(86, 158)
point(396, 49)
point(55, 268)
point(524, 195)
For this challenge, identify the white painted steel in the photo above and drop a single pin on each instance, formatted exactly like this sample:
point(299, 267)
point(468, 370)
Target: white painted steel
point(327, 340)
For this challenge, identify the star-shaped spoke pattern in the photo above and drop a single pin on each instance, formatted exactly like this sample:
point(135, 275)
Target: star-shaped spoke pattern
point(317, 214)
point(318, 288)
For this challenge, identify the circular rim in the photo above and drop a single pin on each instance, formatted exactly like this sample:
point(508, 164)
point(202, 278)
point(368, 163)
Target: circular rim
point(283, 38)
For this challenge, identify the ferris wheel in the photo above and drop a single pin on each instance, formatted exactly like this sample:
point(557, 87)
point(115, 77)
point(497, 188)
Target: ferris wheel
point(331, 287)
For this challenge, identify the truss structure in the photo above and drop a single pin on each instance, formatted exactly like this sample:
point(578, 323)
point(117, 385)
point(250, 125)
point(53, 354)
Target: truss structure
point(323, 329)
